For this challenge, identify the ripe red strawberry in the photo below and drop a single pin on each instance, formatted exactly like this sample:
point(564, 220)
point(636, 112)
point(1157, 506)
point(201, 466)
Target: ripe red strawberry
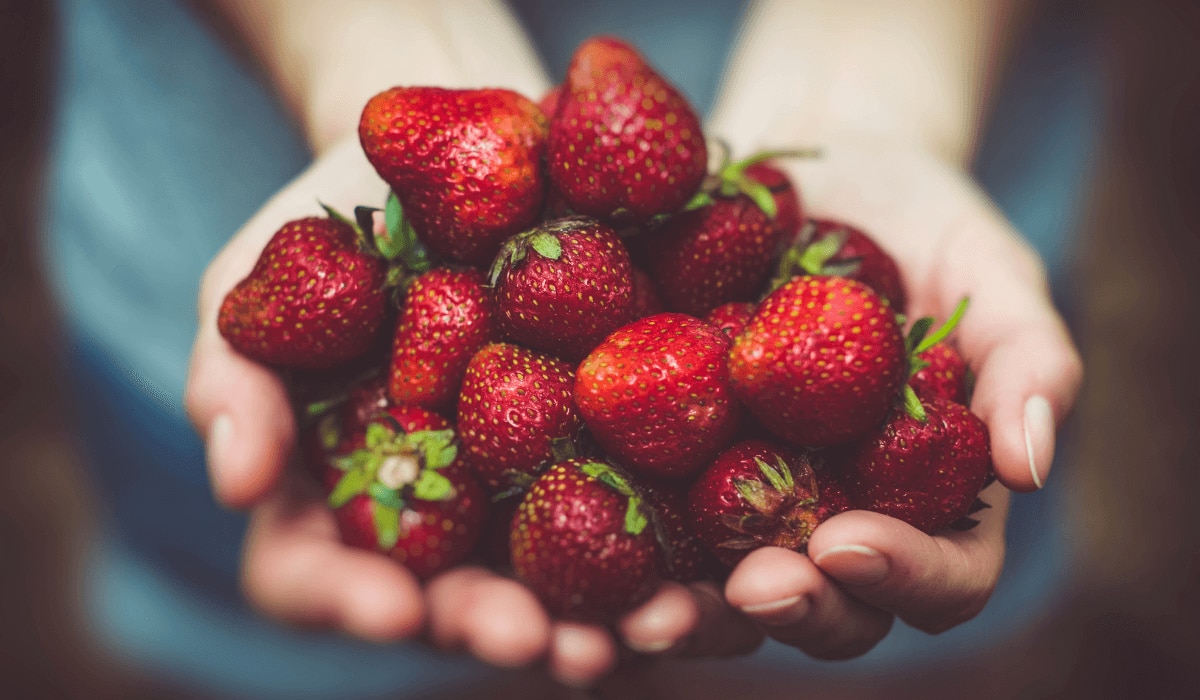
point(646, 301)
point(723, 251)
point(314, 299)
point(515, 410)
point(655, 395)
point(404, 494)
point(563, 286)
point(757, 494)
point(685, 558)
point(549, 101)
point(944, 375)
point(465, 164)
point(582, 542)
point(732, 318)
point(447, 317)
point(821, 362)
point(837, 249)
point(927, 474)
point(789, 213)
point(624, 142)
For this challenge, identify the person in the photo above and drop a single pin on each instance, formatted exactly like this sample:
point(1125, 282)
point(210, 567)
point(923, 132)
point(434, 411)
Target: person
point(153, 105)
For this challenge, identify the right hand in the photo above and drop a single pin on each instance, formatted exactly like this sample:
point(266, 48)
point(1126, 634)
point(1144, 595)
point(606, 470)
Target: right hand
point(296, 569)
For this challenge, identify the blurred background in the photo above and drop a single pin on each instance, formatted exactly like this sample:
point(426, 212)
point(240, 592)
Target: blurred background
point(1128, 622)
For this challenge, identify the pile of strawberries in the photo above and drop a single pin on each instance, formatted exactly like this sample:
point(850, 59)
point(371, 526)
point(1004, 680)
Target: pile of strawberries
point(568, 348)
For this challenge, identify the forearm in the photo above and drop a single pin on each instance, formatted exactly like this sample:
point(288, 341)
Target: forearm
point(808, 72)
point(328, 58)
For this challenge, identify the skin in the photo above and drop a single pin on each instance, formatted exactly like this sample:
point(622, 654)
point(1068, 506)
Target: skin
point(895, 148)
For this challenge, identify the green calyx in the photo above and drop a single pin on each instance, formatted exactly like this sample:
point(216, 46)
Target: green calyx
point(807, 256)
point(636, 518)
point(731, 180)
point(918, 340)
point(397, 243)
point(393, 467)
point(543, 241)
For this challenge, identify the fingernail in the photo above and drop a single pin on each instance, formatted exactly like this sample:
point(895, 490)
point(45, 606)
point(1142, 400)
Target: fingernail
point(786, 611)
point(1039, 437)
point(650, 647)
point(220, 439)
point(853, 564)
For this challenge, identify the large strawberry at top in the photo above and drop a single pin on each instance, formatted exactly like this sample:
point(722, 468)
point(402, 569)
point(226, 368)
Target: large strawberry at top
point(822, 361)
point(563, 286)
point(927, 473)
point(825, 247)
point(583, 541)
point(465, 164)
point(447, 317)
point(756, 494)
point(624, 143)
point(314, 299)
point(515, 412)
point(655, 394)
point(406, 495)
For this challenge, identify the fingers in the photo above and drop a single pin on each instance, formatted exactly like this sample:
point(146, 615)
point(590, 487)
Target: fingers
point(295, 569)
point(662, 622)
point(1028, 371)
point(580, 655)
point(798, 605)
point(722, 630)
point(496, 619)
point(932, 583)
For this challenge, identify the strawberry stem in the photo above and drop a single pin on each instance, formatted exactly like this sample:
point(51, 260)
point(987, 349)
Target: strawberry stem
point(912, 405)
point(946, 328)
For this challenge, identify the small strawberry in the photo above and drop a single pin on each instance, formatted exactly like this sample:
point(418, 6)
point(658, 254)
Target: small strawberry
point(465, 164)
point(722, 249)
point(836, 249)
point(404, 494)
point(944, 374)
point(549, 101)
point(563, 286)
point(315, 298)
point(582, 541)
point(624, 142)
point(515, 412)
point(447, 317)
point(732, 318)
point(927, 473)
point(821, 362)
point(655, 394)
point(685, 558)
point(757, 494)
point(646, 300)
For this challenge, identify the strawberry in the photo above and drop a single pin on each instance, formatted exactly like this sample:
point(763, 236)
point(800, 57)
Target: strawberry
point(685, 558)
point(563, 286)
point(833, 248)
point(447, 317)
point(549, 101)
point(789, 213)
point(944, 374)
point(655, 394)
point(515, 412)
point(821, 362)
point(315, 298)
point(722, 250)
point(405, 494)
point(624, 142)
point(646, 300)
point(926, 473)
point(732, 318)
point(582, 542)
point(465, 164)
point(757, 494)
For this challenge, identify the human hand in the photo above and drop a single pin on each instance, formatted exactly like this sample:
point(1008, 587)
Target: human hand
point(295, 567)
point(863, 569)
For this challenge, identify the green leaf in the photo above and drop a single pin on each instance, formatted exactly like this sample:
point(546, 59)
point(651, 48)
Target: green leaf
point(398, 235)
point(919, 329)
point(635, 519)
point(337, 215)
point(789, 485)
point(329, 431)
point(843, 268)
point(701, 199)
point(777, 480)
point(940, 334)
point(432, 486)
point(912, 405)
point(605, 474)
point(378, 435)
point(387, 525)
point(320, 408)
point(547, 245)
point(563, 448)
point(754, 492)
point(385, 496)
point(760, 194)
point(817, 255)
point(350, 485)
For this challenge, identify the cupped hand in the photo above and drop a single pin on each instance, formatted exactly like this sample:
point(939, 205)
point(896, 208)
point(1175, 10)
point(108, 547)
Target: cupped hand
point(863, 569)
point(296, 569)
